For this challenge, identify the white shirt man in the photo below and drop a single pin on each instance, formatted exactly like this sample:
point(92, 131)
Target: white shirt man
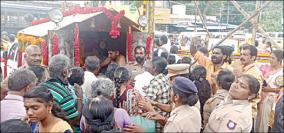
point(142, 81)
point(92, 64)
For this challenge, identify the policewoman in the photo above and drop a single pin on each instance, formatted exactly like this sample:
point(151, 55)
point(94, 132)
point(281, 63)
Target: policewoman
point(235, 113)
point(184, 117)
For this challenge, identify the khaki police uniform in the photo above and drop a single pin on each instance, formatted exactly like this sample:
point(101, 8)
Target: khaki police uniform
point(231, 116)
point(177, 69)
point(212, 103)
point(184, 118)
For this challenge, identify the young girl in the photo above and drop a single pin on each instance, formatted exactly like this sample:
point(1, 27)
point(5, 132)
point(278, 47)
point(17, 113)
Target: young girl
point(42, 111)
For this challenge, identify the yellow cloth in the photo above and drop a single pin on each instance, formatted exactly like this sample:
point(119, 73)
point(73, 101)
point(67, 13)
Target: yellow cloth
point(4, 45)
point(211, 72)
point(60, 127)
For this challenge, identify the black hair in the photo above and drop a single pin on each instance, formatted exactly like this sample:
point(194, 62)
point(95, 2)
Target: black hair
point(253, 83)
point(155, 53)
point(156, 40)
point(164, 40)
point(15, 125)
point(139, 47)
point(256, 43)
point(165, 54)
point(186, 60)
point(160, 65)
point(92, 63)
point(203, 50)
point(225, 78)
point(12, 37)
point(186, 98)
point(171, 59)
point(110, 70)
point(99, 114)
point(187, 75)
point(251, 48)
point(270, 45)
point(198, 75)
point(278, 54)
point(174, 49)
point(38, 71)
point(179, 61)
point(77, 76)
point(121, 75)
point(43, 95)
point(226, 51)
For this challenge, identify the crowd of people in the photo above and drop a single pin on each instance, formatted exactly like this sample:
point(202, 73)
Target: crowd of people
point(161, 93)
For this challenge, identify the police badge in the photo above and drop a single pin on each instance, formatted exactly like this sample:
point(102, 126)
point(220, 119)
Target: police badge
point(231, 125)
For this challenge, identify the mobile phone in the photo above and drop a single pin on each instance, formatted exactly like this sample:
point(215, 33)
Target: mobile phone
point(264, 83)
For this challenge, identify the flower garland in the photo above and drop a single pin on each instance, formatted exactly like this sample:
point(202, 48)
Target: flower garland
point(20, 54)
point(113, 33)
point(76, 46)
point(44, 53)
point(129, 44)
point(5, 67)
point(55, 44)
point(148, 45)
point(29, 39)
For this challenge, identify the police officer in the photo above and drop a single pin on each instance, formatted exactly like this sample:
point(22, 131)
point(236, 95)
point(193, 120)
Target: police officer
point(234, 115)
point(224, 80)
point(185, 117)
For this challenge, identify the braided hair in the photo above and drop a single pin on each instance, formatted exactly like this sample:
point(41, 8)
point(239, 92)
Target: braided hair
point(110, 70)
point(121, 75)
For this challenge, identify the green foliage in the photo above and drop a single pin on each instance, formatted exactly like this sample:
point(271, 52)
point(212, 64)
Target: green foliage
point(270, 18)
point(137, 3)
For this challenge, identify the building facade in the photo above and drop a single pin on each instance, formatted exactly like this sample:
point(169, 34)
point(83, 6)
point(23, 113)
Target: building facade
point(14, 14)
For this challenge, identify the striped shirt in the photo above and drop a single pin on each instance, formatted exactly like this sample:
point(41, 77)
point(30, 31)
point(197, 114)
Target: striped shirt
point(62, 97)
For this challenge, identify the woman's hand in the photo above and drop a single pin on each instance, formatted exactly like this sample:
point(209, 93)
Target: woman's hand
point(78, 91)
point(145, 105)
point(153, 116)
point(133, 129)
